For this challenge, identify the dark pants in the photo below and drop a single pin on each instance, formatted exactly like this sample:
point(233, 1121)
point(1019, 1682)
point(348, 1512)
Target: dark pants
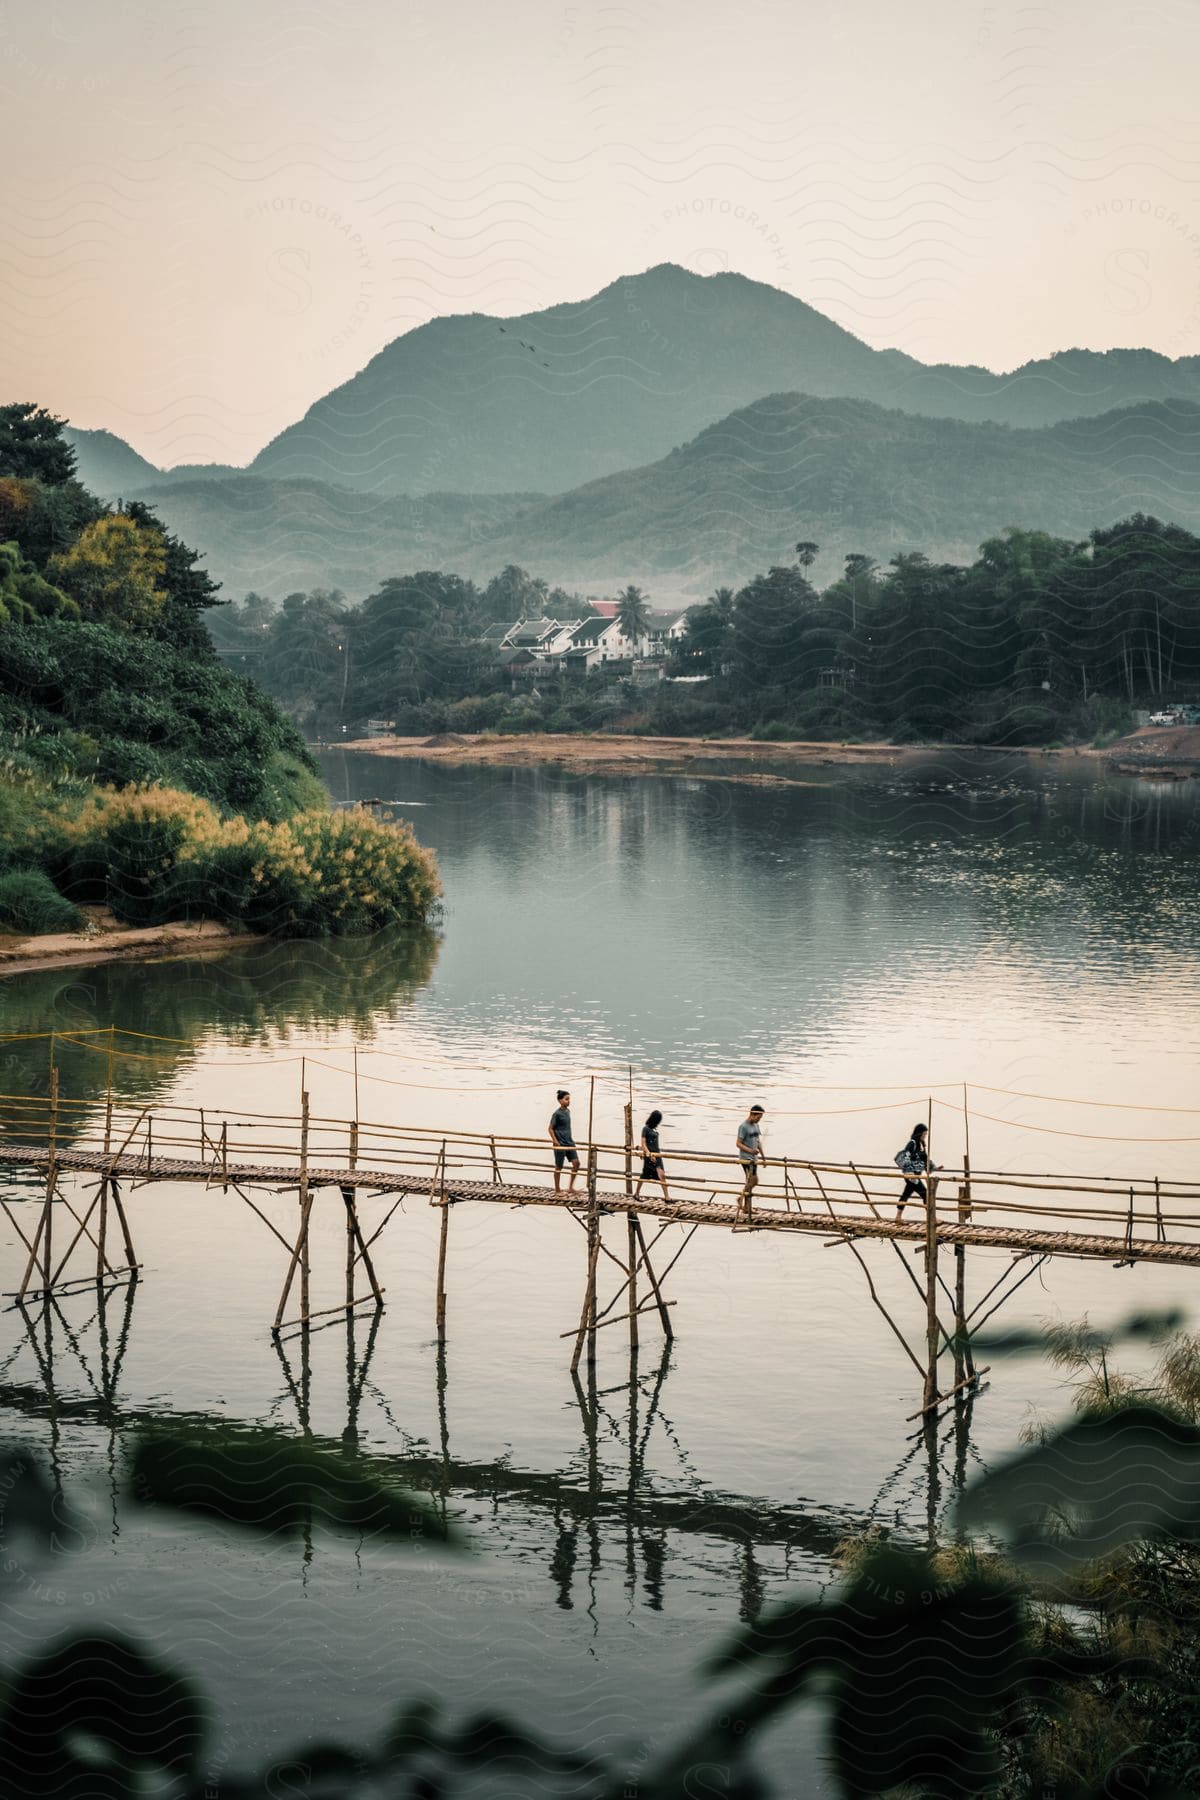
point(911, 1188)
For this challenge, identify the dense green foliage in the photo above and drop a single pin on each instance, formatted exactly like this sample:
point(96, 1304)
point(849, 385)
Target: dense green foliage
point(117, 707)
point(108, 682)
point(30, 902)
point(1040, 638)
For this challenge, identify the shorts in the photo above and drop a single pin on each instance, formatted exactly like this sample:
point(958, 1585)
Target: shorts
point(652, 1168)
point(750, 1172)
point(566, 1156)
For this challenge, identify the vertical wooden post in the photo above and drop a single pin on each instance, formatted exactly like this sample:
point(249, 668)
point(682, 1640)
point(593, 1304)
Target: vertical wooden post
point(441, 1267)
point(964, 1361)
point(631, 1225)
point(931, 1270)
point(51, 1168)
point(593, 1251)
point(349, 1195)
point(126, 1235)
point(304, 1208)
point(225, 1154)
point(108, 1098)
point(591, 1106)
point(102, 1229)
point(663, 1314)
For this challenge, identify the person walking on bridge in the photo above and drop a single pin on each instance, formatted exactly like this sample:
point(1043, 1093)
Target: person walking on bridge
point(913, 1162)
point(652, 1162)
point(750, 1155)
point(563, 1139)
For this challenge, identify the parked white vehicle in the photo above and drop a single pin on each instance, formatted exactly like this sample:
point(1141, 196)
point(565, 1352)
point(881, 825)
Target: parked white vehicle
point(1164, 718)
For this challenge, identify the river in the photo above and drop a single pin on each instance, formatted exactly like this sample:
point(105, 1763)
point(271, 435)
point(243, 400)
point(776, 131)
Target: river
point(844, 949)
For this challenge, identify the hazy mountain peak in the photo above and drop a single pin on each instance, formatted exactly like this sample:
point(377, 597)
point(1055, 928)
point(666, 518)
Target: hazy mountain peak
point(552, 399)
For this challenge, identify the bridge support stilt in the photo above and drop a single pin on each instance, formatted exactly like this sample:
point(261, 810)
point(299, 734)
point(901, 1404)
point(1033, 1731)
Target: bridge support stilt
point(443, 1239)
point(41, 1251)
point(964, 1362)
point(932, 1328)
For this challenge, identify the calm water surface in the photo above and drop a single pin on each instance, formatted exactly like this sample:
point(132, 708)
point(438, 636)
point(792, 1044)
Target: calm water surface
point(842, 950)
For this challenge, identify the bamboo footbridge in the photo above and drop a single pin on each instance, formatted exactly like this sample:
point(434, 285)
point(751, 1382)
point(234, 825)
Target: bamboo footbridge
point(110, 1148)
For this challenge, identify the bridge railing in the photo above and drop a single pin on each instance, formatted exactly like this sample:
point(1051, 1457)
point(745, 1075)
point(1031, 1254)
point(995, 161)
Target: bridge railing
point(272, 1148)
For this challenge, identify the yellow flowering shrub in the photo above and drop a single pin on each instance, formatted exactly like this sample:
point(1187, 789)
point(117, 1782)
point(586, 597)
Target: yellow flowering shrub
point(157, 853)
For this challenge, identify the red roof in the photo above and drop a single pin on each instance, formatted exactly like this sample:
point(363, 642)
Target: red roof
point(607, 609)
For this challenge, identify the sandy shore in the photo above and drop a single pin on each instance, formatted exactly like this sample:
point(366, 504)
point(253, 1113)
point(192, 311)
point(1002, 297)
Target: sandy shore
point(111, 942)
point(1151, 749)
point(727, 759)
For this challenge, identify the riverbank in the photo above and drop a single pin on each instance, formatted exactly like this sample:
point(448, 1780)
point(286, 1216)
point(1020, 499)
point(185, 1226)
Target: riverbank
point(745, 759)
point(109, 941)
point(1152, 749)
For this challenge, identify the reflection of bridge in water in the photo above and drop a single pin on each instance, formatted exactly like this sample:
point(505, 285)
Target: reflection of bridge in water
point(605, 1505)
point(341, 1162)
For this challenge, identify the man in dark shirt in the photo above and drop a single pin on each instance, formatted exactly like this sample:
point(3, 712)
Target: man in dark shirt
point(563, 1139)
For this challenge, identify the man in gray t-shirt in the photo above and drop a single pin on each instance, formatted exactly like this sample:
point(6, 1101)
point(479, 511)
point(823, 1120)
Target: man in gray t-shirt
point(563, 1139)
point(750, 1154)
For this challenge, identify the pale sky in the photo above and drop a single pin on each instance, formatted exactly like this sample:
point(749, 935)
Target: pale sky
point(214, 211)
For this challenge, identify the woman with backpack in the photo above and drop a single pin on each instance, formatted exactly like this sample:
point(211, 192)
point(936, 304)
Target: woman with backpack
point(913, 1162)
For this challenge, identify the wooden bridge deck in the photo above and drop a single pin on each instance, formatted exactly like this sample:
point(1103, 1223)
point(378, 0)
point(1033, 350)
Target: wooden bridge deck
point(832, 1221)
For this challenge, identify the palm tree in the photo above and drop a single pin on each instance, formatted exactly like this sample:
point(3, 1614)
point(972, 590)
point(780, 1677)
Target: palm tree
point(806, 553)
point(633, 615)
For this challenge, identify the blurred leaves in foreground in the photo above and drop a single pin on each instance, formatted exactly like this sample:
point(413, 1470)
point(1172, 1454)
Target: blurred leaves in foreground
point(1058, 1657)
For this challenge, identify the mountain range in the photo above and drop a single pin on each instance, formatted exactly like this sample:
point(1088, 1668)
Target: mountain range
point(850, 475)
point(551, 399)
point(678, 427)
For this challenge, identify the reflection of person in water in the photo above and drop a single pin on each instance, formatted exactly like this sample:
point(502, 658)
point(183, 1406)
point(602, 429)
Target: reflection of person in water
point(652, 1162)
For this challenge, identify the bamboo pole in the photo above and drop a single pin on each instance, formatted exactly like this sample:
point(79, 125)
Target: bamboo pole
point(939, 1399)
point(663, 1314)
point(631, 1234)
point(593, 1247)
point(963, 1361)
point(931, 1270)
point(349, 1198)
point(589, 1287)
point(124, 1222)
point(108, 1096)
point(102, 1230)
point(441, 1265)
point(51, 1168)
point(291, 1272)
point(364, 1251)
point(305, 1205)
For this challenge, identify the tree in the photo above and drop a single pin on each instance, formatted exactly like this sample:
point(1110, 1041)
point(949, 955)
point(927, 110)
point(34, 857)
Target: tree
point(415, 640)
point(116, 571)
point(704, 647)
point(305, 646)
point(771, 619)
point(45, 519)
point(190, 589)
point(633, 615)
point(806, 553)
point(32, 446)
point(24, 594)
point(859, 571)
point(515, 594)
